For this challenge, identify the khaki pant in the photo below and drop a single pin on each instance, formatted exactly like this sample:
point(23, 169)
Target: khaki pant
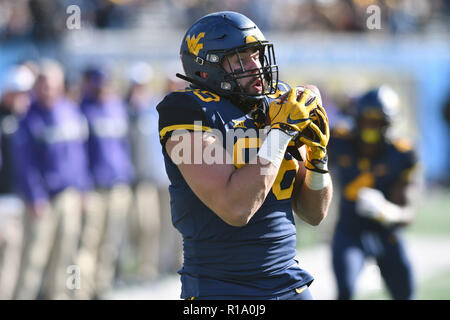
point(154, 240)
point(11, 212)
point(49, 245)
point(103, 232)
point(144, 230)
point(171, 242)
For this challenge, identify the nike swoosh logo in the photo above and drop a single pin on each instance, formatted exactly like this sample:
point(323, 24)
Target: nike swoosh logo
point(292, 121)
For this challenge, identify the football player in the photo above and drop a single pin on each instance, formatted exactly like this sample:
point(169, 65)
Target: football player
point(375, 175)
point(234, 208)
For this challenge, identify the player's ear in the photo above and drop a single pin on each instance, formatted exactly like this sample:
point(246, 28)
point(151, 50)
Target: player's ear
point(204, 75)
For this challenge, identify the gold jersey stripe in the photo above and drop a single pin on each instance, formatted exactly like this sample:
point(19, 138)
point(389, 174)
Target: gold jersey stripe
point(191, 127)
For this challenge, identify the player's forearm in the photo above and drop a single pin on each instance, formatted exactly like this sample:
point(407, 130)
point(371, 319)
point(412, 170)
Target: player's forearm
point(392, 213)
point(397, 210)
point(312, 205)
point(246, 190)
point(248, 186)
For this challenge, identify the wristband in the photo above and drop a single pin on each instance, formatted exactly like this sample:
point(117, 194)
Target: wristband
point(274, 147)
point(390, 213)
point(317, 181)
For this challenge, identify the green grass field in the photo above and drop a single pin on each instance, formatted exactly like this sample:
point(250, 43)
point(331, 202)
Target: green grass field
point(433, 215)
point(435, 288)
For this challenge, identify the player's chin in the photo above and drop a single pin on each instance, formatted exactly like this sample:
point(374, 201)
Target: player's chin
point(255, 88)
point(257, 92)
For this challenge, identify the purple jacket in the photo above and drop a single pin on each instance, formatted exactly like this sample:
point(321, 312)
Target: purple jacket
point(51, 151)
point(108, 145)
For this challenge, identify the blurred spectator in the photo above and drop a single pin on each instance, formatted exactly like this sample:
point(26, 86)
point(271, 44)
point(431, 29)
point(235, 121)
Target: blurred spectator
point(376, 178)
point(112, 172)
point(15, 20)
point(403, 16)
point(112, 13)
point(14, 103)
point(170, 260)
point(144, 221)
point(52, 168)
point(159, 244)
point(49, 20)
point(44, 21)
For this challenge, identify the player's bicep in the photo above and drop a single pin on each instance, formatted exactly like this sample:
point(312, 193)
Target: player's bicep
point(204, 164)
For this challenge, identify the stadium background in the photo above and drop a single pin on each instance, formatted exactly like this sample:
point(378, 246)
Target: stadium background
point(322, 42)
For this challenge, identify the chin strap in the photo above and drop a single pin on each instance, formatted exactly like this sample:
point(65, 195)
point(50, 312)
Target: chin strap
point(244, 103)
point(193, 81)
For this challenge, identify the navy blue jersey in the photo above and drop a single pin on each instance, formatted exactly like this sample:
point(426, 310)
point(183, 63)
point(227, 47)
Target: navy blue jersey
point(395, 162)
point(219, 259)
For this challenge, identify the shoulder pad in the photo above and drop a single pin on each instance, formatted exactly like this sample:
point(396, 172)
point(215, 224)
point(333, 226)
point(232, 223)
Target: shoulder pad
point(200, 95)
point(175, 98)
point(180, 110)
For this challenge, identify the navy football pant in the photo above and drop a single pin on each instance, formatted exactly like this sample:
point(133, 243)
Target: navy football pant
point(295, 294)
point(350, 252)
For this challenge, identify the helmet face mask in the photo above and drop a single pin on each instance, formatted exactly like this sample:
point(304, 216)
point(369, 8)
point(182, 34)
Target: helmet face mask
point(372, 127)
point(208, 48)
point(266, 73)
point(376, 111)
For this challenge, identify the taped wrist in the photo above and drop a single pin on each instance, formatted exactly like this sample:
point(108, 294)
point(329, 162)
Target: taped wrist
point(317, 181)
point(274, 147)
point(389, 213)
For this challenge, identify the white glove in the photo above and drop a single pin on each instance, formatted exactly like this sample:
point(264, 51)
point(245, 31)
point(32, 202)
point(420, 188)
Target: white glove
point(372, 204)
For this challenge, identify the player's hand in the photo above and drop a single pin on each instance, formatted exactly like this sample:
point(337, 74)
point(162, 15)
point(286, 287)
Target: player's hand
point(372, 204)
point(315, 138)
point(292, 116)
